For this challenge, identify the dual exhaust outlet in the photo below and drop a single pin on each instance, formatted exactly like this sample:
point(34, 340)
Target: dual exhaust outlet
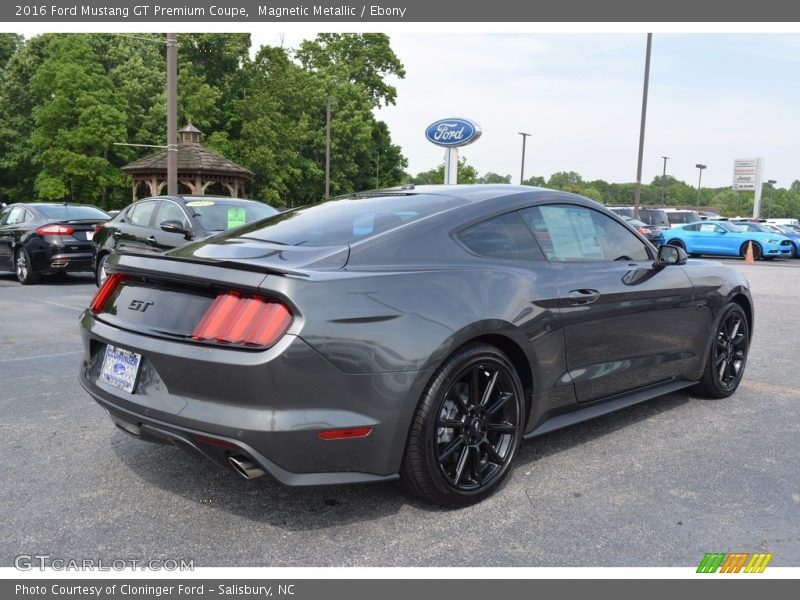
point(245, 467)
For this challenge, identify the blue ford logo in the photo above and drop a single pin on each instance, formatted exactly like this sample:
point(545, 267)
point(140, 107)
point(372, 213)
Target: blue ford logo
point(119, 368)
point(452, 133)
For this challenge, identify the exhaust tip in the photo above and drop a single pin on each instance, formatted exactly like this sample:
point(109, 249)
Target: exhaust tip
point(245, 467)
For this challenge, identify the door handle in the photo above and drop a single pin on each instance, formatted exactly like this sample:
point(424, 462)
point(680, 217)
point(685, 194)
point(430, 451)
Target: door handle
point(116, 233)
point(583, 296)
point(151, 239)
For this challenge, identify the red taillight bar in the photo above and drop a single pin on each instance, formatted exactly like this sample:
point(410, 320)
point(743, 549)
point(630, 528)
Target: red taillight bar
point(243, 320)
point(55, 229)
point(104, 293)
point(344, 434)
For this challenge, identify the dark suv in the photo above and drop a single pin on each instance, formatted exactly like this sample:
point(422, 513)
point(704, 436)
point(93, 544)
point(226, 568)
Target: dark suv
point(650, 216)
point(155, 225)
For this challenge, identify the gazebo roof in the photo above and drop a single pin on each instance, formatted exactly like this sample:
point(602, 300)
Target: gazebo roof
point(193, 157)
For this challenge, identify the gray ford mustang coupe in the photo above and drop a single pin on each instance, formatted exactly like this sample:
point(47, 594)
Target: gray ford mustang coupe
point(418, 333)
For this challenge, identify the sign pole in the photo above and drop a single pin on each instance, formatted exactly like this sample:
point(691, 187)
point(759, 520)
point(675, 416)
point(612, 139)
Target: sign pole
point(757, 201)
point(451, 166)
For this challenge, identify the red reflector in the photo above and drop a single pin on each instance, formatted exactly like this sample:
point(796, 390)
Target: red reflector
point(104, 293)
point(250, 321)
point(215, 442)
point(343, 434)
point(55, 229)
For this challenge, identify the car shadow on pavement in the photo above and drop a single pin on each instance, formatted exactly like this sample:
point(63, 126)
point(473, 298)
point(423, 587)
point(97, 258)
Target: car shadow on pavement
point(304, 508)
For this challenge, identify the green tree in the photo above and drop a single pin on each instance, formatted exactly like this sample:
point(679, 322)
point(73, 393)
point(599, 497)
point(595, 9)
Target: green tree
point(363, 59)
point(77, 118)
point(536, 181)
point(494, 178)
point(466, 174)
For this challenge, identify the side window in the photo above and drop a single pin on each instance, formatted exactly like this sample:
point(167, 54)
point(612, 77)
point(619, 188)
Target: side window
point(709, 228)
point(694, 227)
point(16, 216)
point(169, 211)
point(567, 232)
point(140, 213)
point(505, 236)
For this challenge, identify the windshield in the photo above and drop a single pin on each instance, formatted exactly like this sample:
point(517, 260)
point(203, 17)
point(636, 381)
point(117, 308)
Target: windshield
point(346, 220)
point(71, 212)
point(220, 215)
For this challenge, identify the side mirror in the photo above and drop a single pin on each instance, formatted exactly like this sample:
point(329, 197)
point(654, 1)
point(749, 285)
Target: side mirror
point(671, 255)
point(171, 226)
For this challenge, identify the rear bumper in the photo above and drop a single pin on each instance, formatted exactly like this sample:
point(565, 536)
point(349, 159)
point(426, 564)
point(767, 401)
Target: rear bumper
point(269, 406)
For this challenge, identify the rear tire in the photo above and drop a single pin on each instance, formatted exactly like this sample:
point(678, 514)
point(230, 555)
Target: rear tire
point(677, 244)
point(727, 357)
point(466, 429)
point(23, 268)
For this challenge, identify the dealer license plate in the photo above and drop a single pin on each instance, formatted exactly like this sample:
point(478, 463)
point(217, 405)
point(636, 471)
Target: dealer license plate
point(120, 368)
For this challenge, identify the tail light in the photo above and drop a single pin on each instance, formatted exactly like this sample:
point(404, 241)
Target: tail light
point(644, 230)
point(55, 229)
point(234, 318)
point(104, 293)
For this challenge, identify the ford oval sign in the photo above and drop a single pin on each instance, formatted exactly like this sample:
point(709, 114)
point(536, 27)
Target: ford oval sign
point(452, 133)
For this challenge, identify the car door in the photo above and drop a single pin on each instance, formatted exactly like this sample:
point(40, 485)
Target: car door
point(627, 324)
point(169, 210)
point(6, 240)
point(135, 231)
point(11, 233)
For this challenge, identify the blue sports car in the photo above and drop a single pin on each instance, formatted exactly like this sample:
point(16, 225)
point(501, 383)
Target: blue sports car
point(723, 238)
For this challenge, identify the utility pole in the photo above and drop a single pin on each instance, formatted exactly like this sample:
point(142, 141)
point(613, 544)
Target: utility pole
point(328, 150)
point(172, 113)
point(664, 180)
point(641, 128)
point(522, 168)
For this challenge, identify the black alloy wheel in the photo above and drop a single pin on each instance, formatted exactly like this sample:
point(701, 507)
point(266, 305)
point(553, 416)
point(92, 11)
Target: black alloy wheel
point(467, 428)
point(728, 355)
point(23, 268)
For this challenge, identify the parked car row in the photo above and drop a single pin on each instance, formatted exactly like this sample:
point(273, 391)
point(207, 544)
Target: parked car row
point(39, 239)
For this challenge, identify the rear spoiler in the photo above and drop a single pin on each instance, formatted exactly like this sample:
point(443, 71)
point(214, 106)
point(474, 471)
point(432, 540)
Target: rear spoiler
point(204, 272)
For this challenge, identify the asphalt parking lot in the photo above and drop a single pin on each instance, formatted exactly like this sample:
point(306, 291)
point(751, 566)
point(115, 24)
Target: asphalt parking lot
point(658, 484)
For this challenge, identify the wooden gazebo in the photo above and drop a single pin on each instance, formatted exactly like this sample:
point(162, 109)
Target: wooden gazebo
point(200, 171)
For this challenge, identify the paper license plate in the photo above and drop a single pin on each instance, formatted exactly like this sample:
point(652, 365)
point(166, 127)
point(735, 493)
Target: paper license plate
point(120, 368)
point(89, 236)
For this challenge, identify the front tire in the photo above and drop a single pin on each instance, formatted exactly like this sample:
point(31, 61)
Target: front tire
point(466, 429)
point(727, 357)
point(23, 268)
point(756, 250)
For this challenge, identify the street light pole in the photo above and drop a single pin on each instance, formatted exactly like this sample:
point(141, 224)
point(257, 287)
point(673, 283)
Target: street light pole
point(699, 179)
point(522, 168)
point(328, 149)
point(663, 180)
point(641, 127)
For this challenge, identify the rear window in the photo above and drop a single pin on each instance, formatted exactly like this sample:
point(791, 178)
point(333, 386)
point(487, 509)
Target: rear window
point(345, 221)
point(219, 215)
point(67, 212)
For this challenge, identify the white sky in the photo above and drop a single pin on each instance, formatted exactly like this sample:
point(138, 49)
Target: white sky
point(712, 98)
